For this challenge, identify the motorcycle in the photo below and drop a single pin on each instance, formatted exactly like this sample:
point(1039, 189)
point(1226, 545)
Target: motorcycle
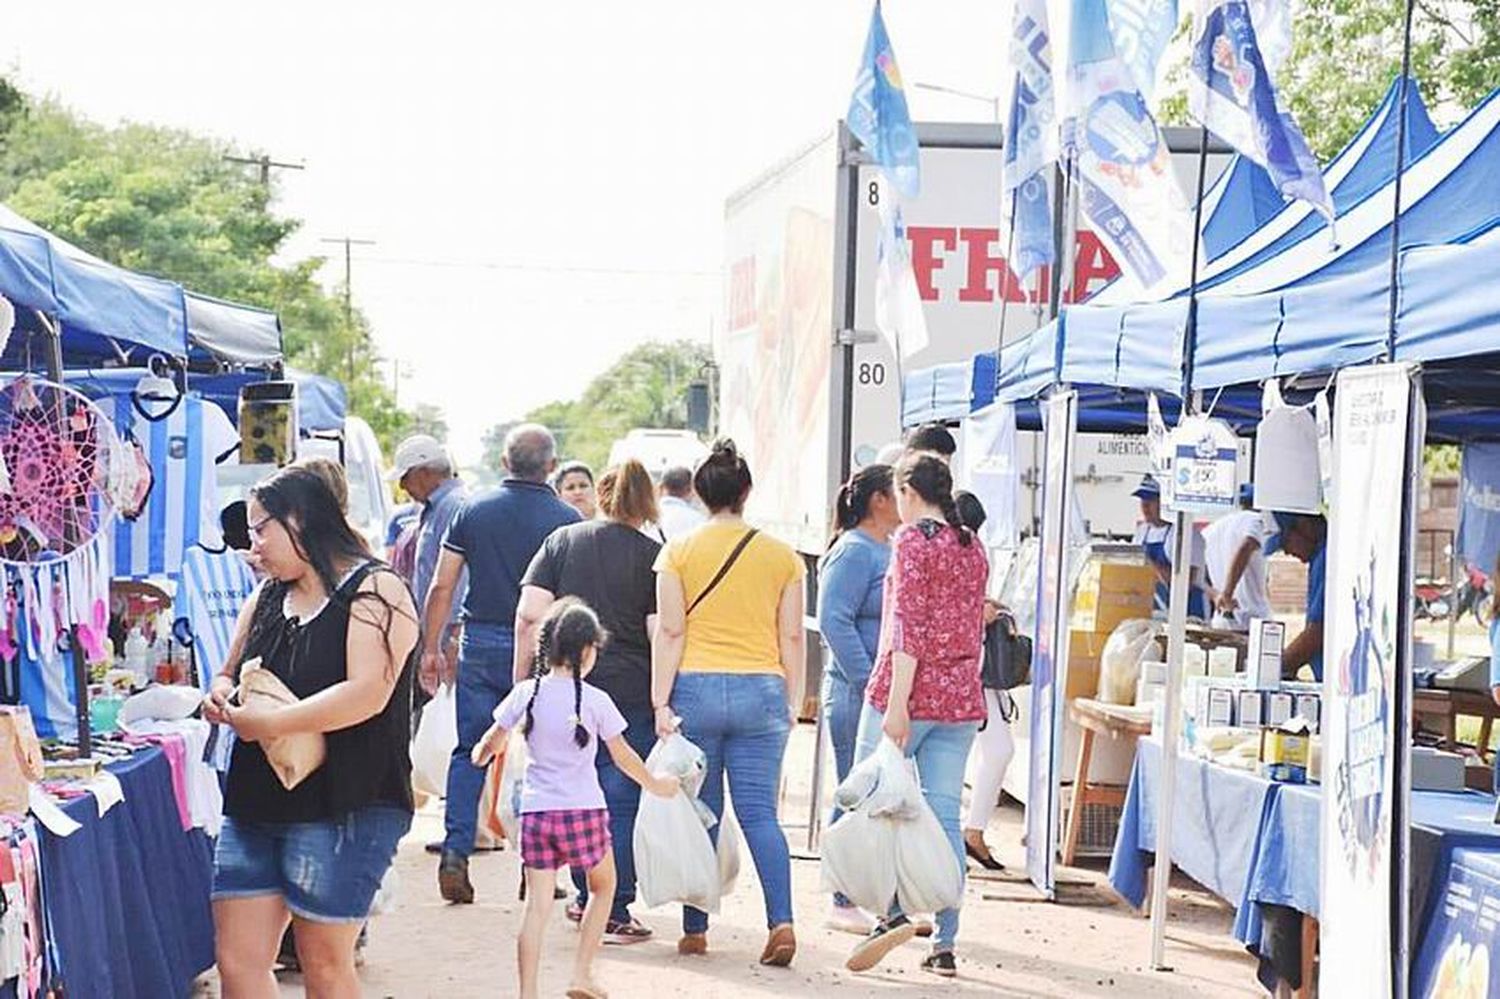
point(1476, 595)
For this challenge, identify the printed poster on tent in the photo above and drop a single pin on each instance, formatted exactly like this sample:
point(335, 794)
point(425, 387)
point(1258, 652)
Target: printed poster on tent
point(1049, 661)
point(1365, 687)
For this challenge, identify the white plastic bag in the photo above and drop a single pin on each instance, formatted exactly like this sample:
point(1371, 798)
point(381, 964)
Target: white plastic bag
point(897, 794)
point(728, 850)
point(929, 876)
point(512, 774)
point(674, 857)
point(1120, 665)
point(432, 746)
point(858, 860)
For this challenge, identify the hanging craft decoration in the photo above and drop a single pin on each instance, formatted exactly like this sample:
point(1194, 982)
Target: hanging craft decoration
point(56, 445)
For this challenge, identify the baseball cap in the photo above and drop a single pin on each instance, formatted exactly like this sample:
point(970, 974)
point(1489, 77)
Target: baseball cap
point(1148, 489)
point(415, 451)
point(1283, 523)
point(1247, 493)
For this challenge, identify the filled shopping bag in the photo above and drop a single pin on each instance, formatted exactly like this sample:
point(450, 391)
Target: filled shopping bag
point(929, 875)
point(432, 746)
point(858, 859)
point(512, 767)
point(728, 850)
point(675, 859)
point(1131, 643)
point(896, 794)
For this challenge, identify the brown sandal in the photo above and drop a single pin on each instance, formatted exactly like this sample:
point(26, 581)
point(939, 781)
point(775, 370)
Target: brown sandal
point(781, 947)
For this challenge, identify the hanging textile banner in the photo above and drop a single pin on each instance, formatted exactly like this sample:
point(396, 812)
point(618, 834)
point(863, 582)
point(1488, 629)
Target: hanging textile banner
point(1479, 506)
point(1366, 686)
point(1049, 662)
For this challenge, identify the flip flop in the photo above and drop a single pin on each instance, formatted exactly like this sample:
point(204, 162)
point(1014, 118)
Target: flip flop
point(586, 992)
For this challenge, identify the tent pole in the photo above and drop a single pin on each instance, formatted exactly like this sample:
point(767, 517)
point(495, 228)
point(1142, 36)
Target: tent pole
point(1390, 333)
point(1182, 525)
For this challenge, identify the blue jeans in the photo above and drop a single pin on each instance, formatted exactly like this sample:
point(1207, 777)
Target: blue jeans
point(484, 678)
point(622, 796)
point(741, 722)
point(941, 751)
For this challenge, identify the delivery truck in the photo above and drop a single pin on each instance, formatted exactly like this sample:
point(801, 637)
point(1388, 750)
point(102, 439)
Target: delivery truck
point(807, 387)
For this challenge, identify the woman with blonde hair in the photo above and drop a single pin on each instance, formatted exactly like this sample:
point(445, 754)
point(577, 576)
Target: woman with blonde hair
point(607, 563)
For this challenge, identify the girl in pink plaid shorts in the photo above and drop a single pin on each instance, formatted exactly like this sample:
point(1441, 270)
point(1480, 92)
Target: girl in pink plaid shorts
point(564, 822)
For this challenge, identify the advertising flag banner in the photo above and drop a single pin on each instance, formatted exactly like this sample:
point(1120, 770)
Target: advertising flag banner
point(1366, 683)
point(877, 112)
point(1030, 141)
point(1049, 661)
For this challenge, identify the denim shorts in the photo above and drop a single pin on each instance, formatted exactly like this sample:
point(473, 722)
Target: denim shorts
point(328, 872)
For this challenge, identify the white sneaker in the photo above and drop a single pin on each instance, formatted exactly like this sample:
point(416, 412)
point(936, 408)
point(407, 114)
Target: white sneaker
point(850, 919)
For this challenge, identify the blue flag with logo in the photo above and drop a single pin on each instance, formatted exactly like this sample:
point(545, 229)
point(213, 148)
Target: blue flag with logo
point(1128, 191)
point(1140, 30)
point(1236, 47)
point(877, 112)
point(1030, 141)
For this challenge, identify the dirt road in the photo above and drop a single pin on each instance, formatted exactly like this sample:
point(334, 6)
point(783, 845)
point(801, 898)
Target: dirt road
point(1010, 944)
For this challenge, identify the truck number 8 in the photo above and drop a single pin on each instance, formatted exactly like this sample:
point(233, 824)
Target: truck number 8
point(872, 374)
point(874, 192)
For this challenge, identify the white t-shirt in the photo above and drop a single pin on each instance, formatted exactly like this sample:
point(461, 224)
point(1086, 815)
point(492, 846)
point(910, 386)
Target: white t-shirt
point(1223, 539)
point(676, 517)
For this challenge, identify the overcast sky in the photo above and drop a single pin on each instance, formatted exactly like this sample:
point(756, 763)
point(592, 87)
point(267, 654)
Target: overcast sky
point(544, 182)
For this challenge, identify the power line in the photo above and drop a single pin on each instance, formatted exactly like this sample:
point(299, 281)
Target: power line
point(493, 265)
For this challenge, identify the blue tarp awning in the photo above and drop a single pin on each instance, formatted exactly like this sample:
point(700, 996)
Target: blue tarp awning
point(321, 402)
point(109, 314)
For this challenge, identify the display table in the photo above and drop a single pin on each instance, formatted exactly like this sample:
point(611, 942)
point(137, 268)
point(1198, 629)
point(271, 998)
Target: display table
point(1445, 706)
point(1255, 844)
point(1116, 723)
point(127, 895)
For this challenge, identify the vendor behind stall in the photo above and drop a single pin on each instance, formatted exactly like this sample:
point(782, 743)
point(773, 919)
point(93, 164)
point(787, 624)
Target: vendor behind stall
point(1236, 564)
point(1304, 535)
point(1155, 535)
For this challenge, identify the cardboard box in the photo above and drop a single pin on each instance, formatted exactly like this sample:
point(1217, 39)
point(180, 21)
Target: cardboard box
point(1112, 591)
point(1310, 707)
point(1285, 753)
point(1250, 709)
point(1280, 706)
point(1263, 659)
point(1220, 706)
point(1084, 651)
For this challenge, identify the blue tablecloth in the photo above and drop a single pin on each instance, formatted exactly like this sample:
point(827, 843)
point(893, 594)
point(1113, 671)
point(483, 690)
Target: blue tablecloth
point(1217, 818)
point(128, 894)
point(1254, 842)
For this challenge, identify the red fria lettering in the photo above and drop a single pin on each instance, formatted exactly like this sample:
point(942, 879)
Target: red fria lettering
point(983, 263)
point(925, 260)
point(1093, 267)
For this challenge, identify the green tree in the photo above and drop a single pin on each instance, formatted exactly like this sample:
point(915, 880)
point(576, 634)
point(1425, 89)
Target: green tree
point(645, 388)
point(166, 202)
point(426, 418)
point(1345, 53)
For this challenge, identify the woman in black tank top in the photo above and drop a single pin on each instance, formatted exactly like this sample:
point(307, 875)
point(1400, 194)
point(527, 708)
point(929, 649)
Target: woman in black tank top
point(338, 629)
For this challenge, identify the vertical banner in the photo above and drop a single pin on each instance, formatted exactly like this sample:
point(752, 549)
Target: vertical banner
point(1366, 685)
point(1049, 661)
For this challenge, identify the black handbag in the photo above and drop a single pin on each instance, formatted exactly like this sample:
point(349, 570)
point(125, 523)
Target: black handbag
point(1007, 655)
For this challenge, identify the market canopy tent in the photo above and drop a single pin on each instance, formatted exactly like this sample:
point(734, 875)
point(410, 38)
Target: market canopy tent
point(322, 403)
point(107, 314)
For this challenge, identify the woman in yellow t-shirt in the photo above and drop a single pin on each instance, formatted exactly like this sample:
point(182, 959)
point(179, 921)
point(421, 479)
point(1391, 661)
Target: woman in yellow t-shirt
point(728, 660)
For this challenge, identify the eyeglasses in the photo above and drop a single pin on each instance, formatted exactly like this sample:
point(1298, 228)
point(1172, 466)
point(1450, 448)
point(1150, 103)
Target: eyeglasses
point(258, 528)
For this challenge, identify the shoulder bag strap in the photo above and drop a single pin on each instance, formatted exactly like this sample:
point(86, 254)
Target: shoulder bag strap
point(729, 562)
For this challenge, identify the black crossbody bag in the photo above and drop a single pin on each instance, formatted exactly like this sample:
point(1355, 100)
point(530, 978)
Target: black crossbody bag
point(734, 556)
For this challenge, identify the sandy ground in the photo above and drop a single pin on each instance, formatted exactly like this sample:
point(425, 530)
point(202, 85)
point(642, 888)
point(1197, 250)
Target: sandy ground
point(1010, 943)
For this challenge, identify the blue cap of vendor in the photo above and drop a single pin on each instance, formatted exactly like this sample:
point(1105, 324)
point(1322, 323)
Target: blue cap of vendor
point(1148, 489)
point(1247, 494)
point(1283, 524)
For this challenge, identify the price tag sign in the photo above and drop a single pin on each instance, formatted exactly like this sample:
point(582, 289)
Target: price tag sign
point(1203, 465)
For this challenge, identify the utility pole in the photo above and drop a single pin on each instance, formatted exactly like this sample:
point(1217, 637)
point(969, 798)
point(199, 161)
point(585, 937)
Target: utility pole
point(264, 163)
point(349, 244)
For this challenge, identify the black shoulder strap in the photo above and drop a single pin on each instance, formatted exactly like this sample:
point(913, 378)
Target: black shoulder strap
point(729, 562)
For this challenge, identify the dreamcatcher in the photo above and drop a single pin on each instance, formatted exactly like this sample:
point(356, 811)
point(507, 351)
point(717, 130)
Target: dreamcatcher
point(56, 447)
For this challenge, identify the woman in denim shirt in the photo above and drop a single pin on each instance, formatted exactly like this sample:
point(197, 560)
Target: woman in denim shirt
point(851, 577)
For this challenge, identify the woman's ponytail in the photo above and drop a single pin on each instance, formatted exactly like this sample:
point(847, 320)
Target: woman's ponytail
point(930, 478)
point(950, 513)
point(852, 504)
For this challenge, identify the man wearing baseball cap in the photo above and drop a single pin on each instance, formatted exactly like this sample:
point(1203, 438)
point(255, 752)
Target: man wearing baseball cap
point(1305, 536)
point(425, 471)
point(1236, 565)
point(1157, 537)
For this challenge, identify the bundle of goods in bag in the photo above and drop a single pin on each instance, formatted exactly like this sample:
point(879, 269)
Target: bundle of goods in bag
point(888, 844)
point(675, 859)
point(432, 746)
point(1130, 644)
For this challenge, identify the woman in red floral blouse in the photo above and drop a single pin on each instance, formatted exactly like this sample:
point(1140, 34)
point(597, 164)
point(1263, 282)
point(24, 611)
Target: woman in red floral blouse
point(924, 693)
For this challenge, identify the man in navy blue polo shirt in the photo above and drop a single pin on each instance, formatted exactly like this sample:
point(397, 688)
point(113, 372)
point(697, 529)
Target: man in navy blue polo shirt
point(1305, 536)
point(494, 536)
